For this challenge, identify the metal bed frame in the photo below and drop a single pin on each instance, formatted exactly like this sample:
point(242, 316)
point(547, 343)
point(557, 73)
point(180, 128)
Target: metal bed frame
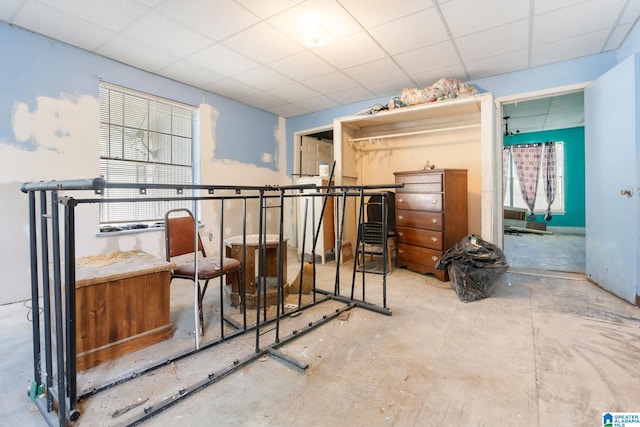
point(52, 242)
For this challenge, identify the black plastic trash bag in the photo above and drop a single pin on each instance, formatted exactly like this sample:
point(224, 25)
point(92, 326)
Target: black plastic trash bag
point(474, 265)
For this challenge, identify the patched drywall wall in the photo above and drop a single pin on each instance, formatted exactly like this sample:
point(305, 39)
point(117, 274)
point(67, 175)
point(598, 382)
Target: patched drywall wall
point(227, 172)
point(54, 140)
point(49, 130)
point(57, 139)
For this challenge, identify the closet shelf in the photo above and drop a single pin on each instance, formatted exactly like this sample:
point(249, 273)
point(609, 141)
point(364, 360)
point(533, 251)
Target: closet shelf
point(354, 142)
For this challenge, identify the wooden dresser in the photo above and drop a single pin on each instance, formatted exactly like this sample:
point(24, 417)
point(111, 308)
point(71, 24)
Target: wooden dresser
point(431, 216)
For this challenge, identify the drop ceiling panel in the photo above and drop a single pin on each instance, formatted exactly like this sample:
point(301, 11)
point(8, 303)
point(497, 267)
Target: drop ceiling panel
point(586, 44)
point(62, 26)
point(134, 53)
point(263, 100)
point(166, 35)
point(318, 103)
point(302, 66)
point(216, 19)
point(265, 9)
point(544, 6)
point(495, 41)
point(427, 78)
point(294, 92)
point(263, 78)
point(189, 73)
point(115, 15)
point(231, 89)
point(617, 36)
point(390, 87)
point(223, 60)
point(375, 71)
point(467, 17)
point(375, 12)
point(574, 21)
point(356, 94)
point(426, 29)
point(295, 21)
point(490, 66)
point(251, 43)
point(288, 110)
point(332, 82)
point(241, 48)
point(428, 58)
point(341, 53)
point(8, 8)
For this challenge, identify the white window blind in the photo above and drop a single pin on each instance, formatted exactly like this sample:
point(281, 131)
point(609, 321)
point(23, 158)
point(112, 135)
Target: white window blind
point(143, 139)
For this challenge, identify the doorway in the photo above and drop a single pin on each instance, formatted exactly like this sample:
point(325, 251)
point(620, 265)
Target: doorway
point(558, 244)
point(313, 148)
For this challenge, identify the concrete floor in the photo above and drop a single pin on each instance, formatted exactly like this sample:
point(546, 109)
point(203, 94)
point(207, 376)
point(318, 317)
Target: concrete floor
point(547, 348)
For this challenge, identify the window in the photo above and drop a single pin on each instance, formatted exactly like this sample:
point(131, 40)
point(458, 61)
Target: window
point(513, 196)
point(143, 139)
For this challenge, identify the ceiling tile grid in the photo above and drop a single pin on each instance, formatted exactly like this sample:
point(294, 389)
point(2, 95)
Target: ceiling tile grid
point(259, 52)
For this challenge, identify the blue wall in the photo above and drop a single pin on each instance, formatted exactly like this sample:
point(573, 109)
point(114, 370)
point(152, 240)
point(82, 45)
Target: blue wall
point(573, 168)
point(38, 66)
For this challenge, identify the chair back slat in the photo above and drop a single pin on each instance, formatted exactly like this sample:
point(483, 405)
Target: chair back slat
point(179, 232)
point(372, 233)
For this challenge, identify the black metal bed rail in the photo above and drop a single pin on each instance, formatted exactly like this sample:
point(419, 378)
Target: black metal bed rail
point(52, 267)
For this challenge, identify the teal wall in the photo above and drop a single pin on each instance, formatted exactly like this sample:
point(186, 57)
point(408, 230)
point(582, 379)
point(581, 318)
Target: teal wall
point(574, 181)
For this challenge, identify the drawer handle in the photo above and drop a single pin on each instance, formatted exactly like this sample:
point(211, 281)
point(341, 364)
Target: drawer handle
point(400, 251)
point(434, 201)
point(434, 239)
point(400, 200)
point(400, 233)
point(434, 258)
point(434, 220)
point(400, 217)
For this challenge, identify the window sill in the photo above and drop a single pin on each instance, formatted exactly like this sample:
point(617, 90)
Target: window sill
point(129, 231)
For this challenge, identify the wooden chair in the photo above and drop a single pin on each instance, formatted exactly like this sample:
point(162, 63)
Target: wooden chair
point(179, 241)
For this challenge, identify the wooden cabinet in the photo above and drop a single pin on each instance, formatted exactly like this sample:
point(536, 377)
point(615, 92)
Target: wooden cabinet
point(122, 305)
point(431, 216)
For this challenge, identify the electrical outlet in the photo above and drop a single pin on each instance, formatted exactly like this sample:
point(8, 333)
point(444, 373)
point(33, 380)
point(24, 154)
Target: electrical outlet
point(210, 236)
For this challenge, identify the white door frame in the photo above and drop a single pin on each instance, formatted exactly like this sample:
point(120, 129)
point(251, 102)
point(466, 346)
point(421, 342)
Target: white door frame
point(297, 138)
point(525, 96)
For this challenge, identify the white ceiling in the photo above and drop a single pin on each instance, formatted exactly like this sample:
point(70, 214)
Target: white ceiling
point(253, 50)
point(556, 112)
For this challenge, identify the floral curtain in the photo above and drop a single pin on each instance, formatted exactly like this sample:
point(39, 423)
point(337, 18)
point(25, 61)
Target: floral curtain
point(506, 160)
point(527, 162)
point(549, 174)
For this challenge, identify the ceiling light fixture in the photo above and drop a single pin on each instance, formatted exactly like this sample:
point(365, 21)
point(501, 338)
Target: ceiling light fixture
point(507, 132)
point(316, 35)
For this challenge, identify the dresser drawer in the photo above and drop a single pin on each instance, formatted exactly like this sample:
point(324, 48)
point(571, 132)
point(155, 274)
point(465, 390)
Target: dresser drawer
point(417, 255)
point(417, 219)
point(418, 178)
point(414, 187)
point(415, 236)
point(421, 183)
point(419, 202)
